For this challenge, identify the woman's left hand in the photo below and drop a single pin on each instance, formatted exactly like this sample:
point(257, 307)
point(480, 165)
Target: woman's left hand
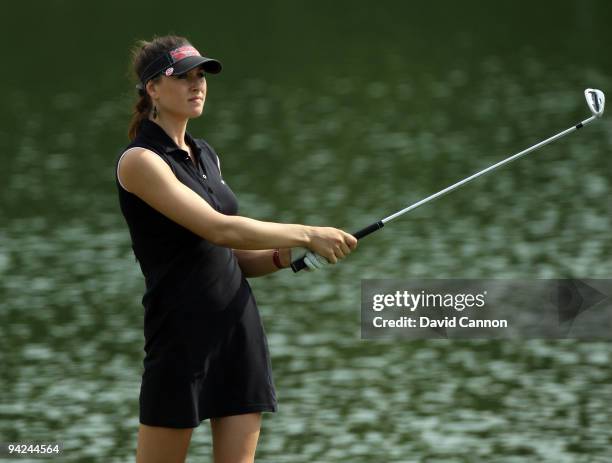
point(312, 260)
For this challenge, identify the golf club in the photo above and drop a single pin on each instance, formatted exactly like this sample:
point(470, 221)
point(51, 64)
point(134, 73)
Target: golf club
point(596, 101)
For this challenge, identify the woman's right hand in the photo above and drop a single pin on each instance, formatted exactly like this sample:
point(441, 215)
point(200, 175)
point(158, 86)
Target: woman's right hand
point(331, 243)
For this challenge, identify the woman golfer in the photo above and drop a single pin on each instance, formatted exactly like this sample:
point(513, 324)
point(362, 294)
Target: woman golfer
point(206, 354)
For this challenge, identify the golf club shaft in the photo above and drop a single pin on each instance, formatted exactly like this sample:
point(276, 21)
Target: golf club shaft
point(487, 170)
point(299, 264)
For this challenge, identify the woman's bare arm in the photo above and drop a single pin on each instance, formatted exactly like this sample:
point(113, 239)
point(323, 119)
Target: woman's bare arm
point(146, 175)
point(260, 263)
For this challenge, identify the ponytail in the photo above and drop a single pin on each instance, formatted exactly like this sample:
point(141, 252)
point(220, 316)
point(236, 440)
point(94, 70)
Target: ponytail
point(141, 111)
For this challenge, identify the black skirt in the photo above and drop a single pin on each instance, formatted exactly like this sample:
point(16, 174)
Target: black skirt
point(204, 365)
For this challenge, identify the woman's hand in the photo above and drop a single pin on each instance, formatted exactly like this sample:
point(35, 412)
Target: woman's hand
point(331, 243)
point(327, 245)
point(313, 261)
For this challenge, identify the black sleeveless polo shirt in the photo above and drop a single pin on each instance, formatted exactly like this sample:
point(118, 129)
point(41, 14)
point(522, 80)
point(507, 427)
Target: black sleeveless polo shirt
point(181, 269)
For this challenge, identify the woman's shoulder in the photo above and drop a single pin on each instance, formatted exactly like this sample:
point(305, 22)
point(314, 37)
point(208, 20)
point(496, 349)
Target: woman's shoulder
point(143, 153)
point(139, 162)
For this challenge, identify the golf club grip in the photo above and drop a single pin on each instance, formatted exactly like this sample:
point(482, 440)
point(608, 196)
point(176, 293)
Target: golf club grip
point(301, 265)
point(369, 229)
point(298, 265)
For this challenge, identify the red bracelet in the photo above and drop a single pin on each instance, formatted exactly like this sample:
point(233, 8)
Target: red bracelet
point(276, 258)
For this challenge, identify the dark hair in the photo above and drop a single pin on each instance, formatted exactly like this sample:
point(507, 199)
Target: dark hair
point(143, 54)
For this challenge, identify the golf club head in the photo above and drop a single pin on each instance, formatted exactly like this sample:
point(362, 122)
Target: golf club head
point(596, 101)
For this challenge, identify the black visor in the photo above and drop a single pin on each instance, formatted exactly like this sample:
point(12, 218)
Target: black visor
point(177, 62)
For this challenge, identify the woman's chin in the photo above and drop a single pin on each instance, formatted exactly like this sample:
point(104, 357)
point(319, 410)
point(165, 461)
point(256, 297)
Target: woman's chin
point(195, 112)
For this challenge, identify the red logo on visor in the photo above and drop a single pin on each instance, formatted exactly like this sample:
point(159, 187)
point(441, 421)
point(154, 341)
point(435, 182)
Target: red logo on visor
point(183, 52)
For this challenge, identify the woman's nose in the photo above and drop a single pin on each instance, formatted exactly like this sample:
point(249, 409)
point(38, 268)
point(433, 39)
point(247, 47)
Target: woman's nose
point(197, 82)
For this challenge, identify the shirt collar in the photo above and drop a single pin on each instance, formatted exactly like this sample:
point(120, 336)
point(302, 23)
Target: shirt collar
point(154, 132)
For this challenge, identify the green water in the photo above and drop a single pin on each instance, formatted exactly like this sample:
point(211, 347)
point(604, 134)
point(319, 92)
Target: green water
point(326, 113)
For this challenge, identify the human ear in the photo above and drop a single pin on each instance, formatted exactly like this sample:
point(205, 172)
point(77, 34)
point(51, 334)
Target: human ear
point(151, 89)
